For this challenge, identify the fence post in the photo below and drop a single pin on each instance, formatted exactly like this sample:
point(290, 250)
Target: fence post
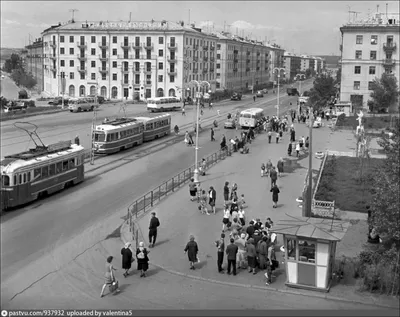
point(136, 211)
point(184, 175)
point(159, 193)
point(172, 184)
point(151, 198)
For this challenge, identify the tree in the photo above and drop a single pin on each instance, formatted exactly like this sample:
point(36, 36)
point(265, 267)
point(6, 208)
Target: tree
point(385, 93)
point(308, 73)
point(339, 76)
point(323, 92)
point(386, 206)
point(14, 62)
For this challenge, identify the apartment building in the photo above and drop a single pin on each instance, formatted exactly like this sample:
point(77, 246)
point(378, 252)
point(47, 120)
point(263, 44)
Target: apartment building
point(127, 60)
point(368, 49)
point(241, 63)
point(292, 65)
point(276, 60)
point(33, 58)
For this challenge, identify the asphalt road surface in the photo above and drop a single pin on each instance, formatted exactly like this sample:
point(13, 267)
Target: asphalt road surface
point(8, 88)
point(45, 235)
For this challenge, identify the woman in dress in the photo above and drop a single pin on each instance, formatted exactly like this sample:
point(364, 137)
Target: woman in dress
point(203, 203)
point(226, 194)
point(109, 277)
point(275, 193)
point(192, 189)
point(192, 249)
point(127, 258)
point(142, 259)
point(279, 165)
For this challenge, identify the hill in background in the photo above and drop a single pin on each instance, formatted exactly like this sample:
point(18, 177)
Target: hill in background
point(5, 52)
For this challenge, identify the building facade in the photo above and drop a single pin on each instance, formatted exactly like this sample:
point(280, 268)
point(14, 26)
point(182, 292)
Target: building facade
point(292, 64)
point(33, 57)
point(369, 49)
point(127, 60)
point(241, 63)
point(276, 60)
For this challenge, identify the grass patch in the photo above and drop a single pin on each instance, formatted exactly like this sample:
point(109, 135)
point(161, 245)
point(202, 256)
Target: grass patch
point(378, 123)
point(342, 181)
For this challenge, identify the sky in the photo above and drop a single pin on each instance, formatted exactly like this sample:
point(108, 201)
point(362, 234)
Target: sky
point(300, 27)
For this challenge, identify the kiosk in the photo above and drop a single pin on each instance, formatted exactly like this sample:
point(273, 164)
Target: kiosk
point(309, 250)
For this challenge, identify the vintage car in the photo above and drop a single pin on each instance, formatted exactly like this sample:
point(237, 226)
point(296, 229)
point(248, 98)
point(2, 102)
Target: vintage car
point(230, 124)
point(260, 93)
point(236, 96)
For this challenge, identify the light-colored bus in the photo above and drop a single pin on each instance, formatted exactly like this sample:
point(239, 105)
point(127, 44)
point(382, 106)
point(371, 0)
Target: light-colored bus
point(156, 127)
point(82, 104)
point(117, 135)
point(164, 104)
point(250, 118)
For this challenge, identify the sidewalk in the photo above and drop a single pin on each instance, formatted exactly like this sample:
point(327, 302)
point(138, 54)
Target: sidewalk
point(180, 217)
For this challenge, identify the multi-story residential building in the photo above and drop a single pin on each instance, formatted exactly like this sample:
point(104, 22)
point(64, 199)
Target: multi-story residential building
point(292, 64)
point(305, 63)
point(130, 60)
point(33, 57)
point(369, 49)
point(276, 60)
point(242, 63)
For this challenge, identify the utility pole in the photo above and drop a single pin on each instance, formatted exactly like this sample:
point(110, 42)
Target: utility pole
point(73, 14)
point(309, 192)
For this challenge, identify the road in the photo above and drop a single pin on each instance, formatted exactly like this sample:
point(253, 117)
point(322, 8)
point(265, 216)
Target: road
point(8, 88)
point(47, 234)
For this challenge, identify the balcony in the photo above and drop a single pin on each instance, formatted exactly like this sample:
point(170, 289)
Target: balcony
point(257, 68)
point(52, 44)
point(195, 46)
point(248, 53)
point(211, 70)
point(212, 47)
point(172, 72)
point(235, 69)
point(195, 70)
point(125, 70)
point(136, 46)
point(247, 69)
point(172, 59)
point(81, 45)
point(172, 46)
point(81, 70)
point(124, 83)
point(389, 47)
point(53, 69)
point(205, 70)
point(212, 59)
point(125, 46)
point(147, 70)
point(205, 47)
point(148, 46)
point(103, 58)
point(205, 59)
point(148, 57)
point(247, 61)
point(53, 57)
point(389, 62)
point(125, 56)
point(103, 70)
point(103, 45)
point(235, 60)
point(195, 59)
point(147, 83)
point(81, 57)
point(135, 83)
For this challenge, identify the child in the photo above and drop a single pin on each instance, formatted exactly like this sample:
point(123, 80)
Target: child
point(225, 219)
point(262, 169)
point(242, 202)
point(277, 137)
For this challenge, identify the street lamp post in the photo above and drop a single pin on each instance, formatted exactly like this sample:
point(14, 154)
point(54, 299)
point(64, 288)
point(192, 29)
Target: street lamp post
point(198, 85)
point(301, 76)
point(279, 69)
point(309, 192)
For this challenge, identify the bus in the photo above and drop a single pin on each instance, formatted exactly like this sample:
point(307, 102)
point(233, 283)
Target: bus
point(39, 172)
point(117, 135)
point(156, 127)
point(164, 104)
point(82, 104)
point(250, 118)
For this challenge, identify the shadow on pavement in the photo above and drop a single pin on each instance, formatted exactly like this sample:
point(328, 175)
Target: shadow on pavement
point(158, 243)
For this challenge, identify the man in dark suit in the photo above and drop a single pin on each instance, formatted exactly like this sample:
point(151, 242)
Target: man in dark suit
point(231, 251)
point(154, 224)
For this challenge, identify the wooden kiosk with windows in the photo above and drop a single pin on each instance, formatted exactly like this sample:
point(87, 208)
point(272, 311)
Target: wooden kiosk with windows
point(309, 250)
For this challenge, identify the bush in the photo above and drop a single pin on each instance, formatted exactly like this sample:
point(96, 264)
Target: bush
point(22, 94)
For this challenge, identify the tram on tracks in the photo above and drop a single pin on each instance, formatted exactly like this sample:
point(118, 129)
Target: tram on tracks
point(40, 171)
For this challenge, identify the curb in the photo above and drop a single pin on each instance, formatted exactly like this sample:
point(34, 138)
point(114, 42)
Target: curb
point(124, 228)
point(31, 115)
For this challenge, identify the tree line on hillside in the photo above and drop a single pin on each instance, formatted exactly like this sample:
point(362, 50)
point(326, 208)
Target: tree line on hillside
point(14, 66)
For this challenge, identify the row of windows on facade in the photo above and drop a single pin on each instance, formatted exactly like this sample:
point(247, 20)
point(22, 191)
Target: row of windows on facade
point(374, 39)
point(372, 55)
point(115, 53)
point(357, 85)
point(124, 66)
point(372, 70)
point(114, 39)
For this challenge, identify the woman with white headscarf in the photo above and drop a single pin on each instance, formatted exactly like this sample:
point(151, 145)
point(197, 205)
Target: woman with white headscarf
point(142, 259)
point(127, 258)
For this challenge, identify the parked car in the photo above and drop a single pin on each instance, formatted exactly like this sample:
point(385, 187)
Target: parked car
point(58, 101)
point(265, 91)
point(14, 106)
point(260, 93)
point(100, 99)
point(236, 96)
point(230, 124)
point(292, 92)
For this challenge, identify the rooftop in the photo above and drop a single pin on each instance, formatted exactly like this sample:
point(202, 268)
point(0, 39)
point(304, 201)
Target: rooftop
point(375, 20)
point(315, 228)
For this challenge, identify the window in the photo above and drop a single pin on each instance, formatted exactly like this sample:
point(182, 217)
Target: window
point(71, 51)
point(82, 76)
point(160, 78)
point(62, 63)
point(160, 53)
point(114, 77)
point(172, 79)
point(71, 76)
point(218, 46)
point(357, 69)
point(64, 165)
point(356, 85)
point(114, 51)
point(374, 39)
point(93, 39)
point(370, 85)
point(160, 40)
point(71, 63)
point(372, 55)
point(359, 39)
point(372, 70)
point(137, 79)
point(114, 39)
point(114, 64)
point(93, 63)
point(218, 56)
point(58, 167)
point(20, 178)
point(160, 66)
point(93, 76)
point(93, 51)
point(307, 251)
point(62, 39)
point(37, 173)
point(218, 66)
point(103, 76)
point(358, 54)
point(71, 39)
point(62, 50)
